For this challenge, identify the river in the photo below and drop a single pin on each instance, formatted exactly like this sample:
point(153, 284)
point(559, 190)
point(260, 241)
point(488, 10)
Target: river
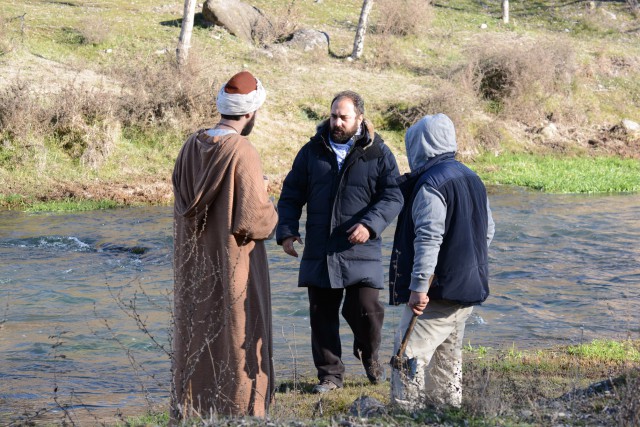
point(564, 269)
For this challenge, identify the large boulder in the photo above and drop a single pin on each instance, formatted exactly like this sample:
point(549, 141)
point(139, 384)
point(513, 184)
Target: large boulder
point(240, 19)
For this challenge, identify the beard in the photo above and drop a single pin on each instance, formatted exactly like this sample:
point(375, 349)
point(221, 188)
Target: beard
point(342, 135)
point(246, 130)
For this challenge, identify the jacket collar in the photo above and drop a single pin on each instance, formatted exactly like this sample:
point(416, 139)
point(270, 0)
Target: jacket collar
point(408, 180)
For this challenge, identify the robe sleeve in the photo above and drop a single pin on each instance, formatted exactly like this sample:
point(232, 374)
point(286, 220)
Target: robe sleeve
point(254, 215)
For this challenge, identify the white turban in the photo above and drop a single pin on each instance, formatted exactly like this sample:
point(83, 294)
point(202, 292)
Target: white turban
point(236, 98)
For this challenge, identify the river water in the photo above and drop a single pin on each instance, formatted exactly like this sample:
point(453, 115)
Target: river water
point(565, 269)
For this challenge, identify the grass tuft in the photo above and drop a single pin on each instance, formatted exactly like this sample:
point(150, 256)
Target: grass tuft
point(71, 205)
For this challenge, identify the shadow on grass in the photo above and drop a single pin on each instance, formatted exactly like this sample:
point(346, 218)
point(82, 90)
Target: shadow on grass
point(198, 21)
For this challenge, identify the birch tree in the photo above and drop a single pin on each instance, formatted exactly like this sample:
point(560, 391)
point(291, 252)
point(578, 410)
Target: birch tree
point(505, 11)
point(184, 41)
point(358, 43)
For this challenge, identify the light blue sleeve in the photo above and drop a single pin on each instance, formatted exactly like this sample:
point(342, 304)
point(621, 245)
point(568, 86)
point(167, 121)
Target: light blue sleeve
point(491, 229)
point(429, 214)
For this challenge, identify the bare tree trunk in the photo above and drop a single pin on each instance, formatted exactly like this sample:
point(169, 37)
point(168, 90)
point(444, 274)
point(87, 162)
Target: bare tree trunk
point(184, 42)
point(358, 43)
point(505, 11)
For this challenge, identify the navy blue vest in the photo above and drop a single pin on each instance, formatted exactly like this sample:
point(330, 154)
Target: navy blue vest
point(462, 270)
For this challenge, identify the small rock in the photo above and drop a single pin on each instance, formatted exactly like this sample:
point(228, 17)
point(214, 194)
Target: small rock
point(549, 131)
point(484, 26)
point(366, 407)
point(630, 125)
point(610, 15)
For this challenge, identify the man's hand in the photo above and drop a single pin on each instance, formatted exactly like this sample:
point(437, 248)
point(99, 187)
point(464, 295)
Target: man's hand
point(358, 234)
point(287, 245)
point(265, 180)
point(418, 302)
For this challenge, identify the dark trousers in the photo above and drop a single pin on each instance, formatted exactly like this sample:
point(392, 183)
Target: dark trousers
point(363, 312)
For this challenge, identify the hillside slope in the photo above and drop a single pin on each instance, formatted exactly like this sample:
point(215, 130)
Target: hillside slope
point(92, 105)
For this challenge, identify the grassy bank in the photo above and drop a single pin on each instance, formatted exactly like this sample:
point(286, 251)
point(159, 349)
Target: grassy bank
point(594, 383)
point(96, 109)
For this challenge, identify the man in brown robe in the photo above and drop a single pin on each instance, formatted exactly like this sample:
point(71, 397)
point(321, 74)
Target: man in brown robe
point(222, 342)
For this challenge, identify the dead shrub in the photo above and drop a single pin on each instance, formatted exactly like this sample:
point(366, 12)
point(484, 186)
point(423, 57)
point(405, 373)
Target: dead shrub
point(518, 77)
point(86, 123)
point(488, 136)
point(448, 99)
point(629, 409)
point(21, 112)
point(164, 94)
point(281, 23)
point(83, 124)
point(383, 53)
point(403, 17)
point(94, 31)
point(78, 120)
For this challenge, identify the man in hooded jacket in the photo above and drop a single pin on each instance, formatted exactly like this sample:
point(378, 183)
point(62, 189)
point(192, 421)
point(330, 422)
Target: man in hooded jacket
point(439, 264)
point(346, 176)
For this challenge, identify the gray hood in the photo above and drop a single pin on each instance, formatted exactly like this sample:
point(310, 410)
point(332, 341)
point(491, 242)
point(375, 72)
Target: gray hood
point(429, 137)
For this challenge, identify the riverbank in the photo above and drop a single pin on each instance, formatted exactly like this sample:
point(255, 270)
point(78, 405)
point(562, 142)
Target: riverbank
point(549, 174)
point(97, 110)
point(591, 384)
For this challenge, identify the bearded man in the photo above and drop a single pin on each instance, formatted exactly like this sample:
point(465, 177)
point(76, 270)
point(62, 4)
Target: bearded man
point(222, 343)
point(346, 176)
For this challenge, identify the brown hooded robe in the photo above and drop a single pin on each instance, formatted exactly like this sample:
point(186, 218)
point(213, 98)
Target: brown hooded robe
point(222, 360)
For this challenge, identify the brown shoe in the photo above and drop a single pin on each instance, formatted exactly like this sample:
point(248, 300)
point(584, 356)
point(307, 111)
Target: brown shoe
point(324, 386)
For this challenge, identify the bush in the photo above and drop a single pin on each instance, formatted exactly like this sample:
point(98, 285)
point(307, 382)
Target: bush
point(516, 78)
point(163, 94)
point(403, 17)
point(86, 122)
point(281, 24)
point(448, 99)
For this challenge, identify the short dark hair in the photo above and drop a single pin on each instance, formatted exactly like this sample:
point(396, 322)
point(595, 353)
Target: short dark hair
point(358, 102)
point(235, 118)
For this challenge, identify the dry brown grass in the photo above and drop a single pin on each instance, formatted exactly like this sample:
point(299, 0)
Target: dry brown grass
point(403, 17)
point(94, 31)
point(518, 77)
point(85, 122)
point(446, 98)
point(160, 93)
point(283, 20)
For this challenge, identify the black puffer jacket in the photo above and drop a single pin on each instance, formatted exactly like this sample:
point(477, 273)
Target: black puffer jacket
point(363, 191)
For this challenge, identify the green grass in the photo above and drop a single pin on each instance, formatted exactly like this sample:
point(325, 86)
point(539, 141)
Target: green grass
point(607, 350)
point(560, 174)
point(71, 205)
point(150, 419)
